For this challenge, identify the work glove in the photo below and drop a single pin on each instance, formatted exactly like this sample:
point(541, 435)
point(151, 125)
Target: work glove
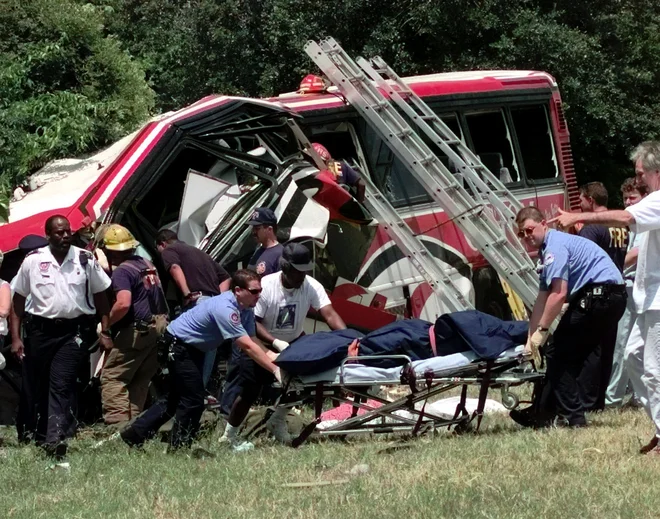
point(280, 345)
point(534, 342)
point(281, 376)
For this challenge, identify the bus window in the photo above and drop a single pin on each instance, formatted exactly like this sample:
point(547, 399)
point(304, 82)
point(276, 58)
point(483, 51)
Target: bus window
point(534, 134)
point(392, 177)
point(491, 140)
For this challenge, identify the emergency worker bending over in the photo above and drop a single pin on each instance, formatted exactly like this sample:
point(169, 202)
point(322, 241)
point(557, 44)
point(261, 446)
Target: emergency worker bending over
point(577, 271)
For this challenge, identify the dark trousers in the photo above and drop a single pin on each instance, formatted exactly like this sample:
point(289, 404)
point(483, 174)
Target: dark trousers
point(597, 371)
point(54, 353)
point(232, 388)
point(185, 401)
point(579, 334)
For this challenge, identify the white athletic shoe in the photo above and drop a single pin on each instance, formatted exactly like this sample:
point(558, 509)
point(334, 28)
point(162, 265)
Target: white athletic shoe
point(239, 445)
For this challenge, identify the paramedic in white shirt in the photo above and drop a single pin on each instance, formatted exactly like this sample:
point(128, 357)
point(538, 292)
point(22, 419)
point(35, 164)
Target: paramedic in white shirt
point(280, 313)
point(66, 289)
point(642, 355)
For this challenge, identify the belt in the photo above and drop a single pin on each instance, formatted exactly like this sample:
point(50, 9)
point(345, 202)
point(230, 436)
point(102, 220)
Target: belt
point(59, 322)
point(603, 289)
point(198, 293)
point(598, 290)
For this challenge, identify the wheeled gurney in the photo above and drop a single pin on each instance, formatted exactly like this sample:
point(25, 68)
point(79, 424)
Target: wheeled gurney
point(353, 380)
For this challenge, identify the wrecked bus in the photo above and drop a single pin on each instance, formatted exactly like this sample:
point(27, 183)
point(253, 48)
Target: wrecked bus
point(203, 169)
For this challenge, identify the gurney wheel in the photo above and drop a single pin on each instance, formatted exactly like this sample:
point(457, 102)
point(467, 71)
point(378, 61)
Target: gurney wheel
point(509, 400)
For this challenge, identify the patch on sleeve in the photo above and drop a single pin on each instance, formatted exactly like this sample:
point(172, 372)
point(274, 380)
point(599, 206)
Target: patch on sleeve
point(261, 267)
point(549, 258)
point(234, 317)
point(44, 266)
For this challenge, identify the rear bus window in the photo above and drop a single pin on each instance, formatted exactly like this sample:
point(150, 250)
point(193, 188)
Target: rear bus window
point(532, 126)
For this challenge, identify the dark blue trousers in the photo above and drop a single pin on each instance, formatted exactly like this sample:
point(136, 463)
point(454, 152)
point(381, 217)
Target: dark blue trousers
point(184, 402)
point(54, 354)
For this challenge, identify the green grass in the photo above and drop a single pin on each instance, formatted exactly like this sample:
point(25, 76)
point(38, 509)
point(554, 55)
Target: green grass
point(501, 472)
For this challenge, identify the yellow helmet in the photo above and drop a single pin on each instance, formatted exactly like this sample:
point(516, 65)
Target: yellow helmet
point(119, 238)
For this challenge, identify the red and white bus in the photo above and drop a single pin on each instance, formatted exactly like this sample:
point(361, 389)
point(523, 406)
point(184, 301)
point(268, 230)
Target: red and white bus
point(512, 119)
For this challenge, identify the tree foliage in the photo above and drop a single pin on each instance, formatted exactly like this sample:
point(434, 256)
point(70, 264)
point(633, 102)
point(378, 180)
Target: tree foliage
point(66, 87)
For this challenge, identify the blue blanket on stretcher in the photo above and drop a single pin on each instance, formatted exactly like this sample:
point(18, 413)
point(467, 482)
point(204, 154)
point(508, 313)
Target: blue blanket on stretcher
point(484, 334)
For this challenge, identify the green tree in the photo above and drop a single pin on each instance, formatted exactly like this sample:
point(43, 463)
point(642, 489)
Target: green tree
point(66, 87)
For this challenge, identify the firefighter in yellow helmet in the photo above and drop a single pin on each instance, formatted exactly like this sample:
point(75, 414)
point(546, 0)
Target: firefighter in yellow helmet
point(137, 319)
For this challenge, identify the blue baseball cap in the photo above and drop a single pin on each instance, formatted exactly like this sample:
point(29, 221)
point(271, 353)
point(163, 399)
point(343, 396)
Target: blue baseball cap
point(262, 216)
point(31, 242)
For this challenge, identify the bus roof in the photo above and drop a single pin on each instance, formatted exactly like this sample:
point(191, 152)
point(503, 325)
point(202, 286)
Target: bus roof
point(445, 83)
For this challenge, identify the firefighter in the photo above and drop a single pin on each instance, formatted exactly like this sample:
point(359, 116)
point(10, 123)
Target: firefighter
point(577, 271)
point(614, 241)
point(66, 287)
point(266, 259)
point(196, 275)
point(343, 174)
point(138, 318)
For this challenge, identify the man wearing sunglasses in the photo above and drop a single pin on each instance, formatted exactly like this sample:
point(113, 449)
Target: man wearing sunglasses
point(574, 270)
point(203, 328)
point(287, 297)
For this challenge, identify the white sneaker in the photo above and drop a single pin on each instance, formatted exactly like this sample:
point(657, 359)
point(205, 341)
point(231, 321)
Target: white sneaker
point(279, 430)
point(241, 445)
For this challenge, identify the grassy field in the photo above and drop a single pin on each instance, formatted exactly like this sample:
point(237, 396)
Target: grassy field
point(501, 472)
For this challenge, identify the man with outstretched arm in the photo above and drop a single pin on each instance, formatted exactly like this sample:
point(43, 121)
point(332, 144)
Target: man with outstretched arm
point(642, 355)
point(201, 329)
point(576, 271)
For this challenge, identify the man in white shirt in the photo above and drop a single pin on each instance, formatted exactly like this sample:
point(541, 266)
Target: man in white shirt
point(66, 287)
point(280, 313)
point(642, 355)
point(619, 380)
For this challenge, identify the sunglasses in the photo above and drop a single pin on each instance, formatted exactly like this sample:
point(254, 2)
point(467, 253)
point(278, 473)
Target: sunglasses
point(526, 232)
point(254, 291)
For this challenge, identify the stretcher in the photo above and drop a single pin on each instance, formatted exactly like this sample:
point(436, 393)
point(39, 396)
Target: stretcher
point(353, 382)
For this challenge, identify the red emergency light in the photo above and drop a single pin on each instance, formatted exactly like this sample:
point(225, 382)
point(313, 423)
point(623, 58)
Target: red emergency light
point(312, 84)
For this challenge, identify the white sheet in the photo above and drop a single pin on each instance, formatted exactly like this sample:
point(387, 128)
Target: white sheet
point(359, 373)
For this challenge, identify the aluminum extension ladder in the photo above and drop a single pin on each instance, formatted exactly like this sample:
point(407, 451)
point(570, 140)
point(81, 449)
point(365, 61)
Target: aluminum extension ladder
point(484, 209)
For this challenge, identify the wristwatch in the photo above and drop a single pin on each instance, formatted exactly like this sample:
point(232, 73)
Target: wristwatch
point(541, 329)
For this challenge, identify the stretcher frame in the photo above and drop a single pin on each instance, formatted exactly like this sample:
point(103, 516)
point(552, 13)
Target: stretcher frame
point(486, 374)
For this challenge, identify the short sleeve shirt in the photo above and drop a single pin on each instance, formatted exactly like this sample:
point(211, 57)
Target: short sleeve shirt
point(147, 298)
point(613, 240)
point(60, 291)
point(213, 321)
point(266, 261)
point(282, 311)
point(202, 273)
point(576, 260)
point(646, 291)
